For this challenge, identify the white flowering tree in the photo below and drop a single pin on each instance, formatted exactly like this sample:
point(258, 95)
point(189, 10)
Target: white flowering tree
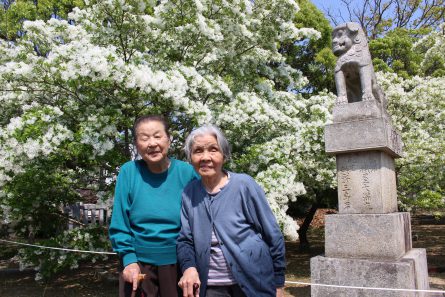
point(433, 48)
point(408, 50)
point(417, 105)
point(418, 108)
point(71, 90)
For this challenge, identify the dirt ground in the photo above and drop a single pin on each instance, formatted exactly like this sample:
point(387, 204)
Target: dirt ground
point(100, 279)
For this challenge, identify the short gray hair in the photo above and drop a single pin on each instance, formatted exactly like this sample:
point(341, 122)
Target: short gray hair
point(207, 129)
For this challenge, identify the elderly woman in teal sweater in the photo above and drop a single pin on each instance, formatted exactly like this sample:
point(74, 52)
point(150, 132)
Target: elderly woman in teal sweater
point(230, 243)
point(146, 212)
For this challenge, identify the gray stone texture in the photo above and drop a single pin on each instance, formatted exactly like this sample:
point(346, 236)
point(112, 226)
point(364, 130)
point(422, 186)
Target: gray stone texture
point(359, 110)
point(366, 183)
point(403, 274)
point(368, 244)
point(363, 135)
point(421, 270)
point(355, 79)
point(368, 236)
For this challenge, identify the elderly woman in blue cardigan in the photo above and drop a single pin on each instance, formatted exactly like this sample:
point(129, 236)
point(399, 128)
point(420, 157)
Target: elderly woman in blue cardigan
point(230, 243)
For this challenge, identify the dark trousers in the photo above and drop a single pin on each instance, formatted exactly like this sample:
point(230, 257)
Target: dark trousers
point(160, 281)
point(224, 291)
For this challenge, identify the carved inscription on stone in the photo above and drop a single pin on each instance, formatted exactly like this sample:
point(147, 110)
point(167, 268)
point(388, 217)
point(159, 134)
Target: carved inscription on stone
point(345, 188)
point(366, 187)
point(356, 177)
point(366, 183)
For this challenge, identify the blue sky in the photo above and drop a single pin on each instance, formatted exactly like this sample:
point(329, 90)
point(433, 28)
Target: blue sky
point(332, 4)
point(323, 3)
point(336, 6)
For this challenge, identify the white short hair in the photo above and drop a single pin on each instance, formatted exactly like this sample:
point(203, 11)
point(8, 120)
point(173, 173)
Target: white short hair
point(207, 129)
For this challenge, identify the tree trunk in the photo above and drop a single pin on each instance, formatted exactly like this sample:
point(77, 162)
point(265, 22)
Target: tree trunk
point(302, 232)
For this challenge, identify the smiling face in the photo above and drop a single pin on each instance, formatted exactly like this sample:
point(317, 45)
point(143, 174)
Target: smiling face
point(152, 143)
point(206, 156)
point(341, 41)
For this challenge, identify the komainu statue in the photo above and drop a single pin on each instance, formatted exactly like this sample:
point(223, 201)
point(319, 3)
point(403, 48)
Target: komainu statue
point(354, 74)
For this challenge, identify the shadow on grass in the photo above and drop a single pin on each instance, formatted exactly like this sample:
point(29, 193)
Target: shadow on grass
point(298, 261)
point(298, 291)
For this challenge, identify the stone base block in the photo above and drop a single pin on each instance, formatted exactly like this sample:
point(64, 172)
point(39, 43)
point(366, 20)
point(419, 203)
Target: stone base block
point(359, 110)
point(368, 236)
point(407, 273)
point(366, 183)
point(363, 135)
point(418, 256)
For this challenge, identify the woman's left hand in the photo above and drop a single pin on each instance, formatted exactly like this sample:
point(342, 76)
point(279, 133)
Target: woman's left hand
point(280, 292)
point(190, 282)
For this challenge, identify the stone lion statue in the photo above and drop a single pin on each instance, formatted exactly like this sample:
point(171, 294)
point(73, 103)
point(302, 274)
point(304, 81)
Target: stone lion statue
point(354, 74)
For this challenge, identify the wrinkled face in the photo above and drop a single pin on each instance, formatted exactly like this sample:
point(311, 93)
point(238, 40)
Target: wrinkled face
point(341, 41)
point(206, 156)
point(152, 142)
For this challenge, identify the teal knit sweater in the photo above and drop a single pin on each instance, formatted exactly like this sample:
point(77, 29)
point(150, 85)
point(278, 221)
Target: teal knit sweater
point(146, 212)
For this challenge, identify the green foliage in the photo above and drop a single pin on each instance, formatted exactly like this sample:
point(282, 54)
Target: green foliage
point(12, 18)
point(35, 196)
point(424, 200)
point(394, 52)
point(314, 57)
point(417, 107)
point(416, 97)
point(432, 49)
point(429, 199)
point(51, 262)
point(72, 89)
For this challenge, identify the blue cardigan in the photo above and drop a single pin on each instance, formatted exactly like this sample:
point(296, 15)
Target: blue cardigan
point(246, 228)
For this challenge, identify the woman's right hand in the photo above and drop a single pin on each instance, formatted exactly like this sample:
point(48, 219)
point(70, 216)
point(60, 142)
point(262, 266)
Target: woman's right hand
point(131, 274)
point(188, 279)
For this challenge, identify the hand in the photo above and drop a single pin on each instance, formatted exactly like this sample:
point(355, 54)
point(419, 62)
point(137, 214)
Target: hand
point(131, 274)
point(280, 292)
point(188, 279)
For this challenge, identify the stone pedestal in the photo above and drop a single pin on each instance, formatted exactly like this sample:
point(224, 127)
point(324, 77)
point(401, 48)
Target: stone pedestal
point(386, 237)
point(368, 244)
point(366, 183)
point(359, 110)
point(363, 135)
point(410, 272)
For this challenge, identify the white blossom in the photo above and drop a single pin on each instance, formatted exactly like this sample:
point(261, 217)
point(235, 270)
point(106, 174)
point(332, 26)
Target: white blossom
point(199, 61)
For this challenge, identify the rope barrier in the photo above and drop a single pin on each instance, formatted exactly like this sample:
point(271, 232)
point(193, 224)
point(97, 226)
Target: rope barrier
point(365, 288)
point(287, 282)
point(56, 248)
